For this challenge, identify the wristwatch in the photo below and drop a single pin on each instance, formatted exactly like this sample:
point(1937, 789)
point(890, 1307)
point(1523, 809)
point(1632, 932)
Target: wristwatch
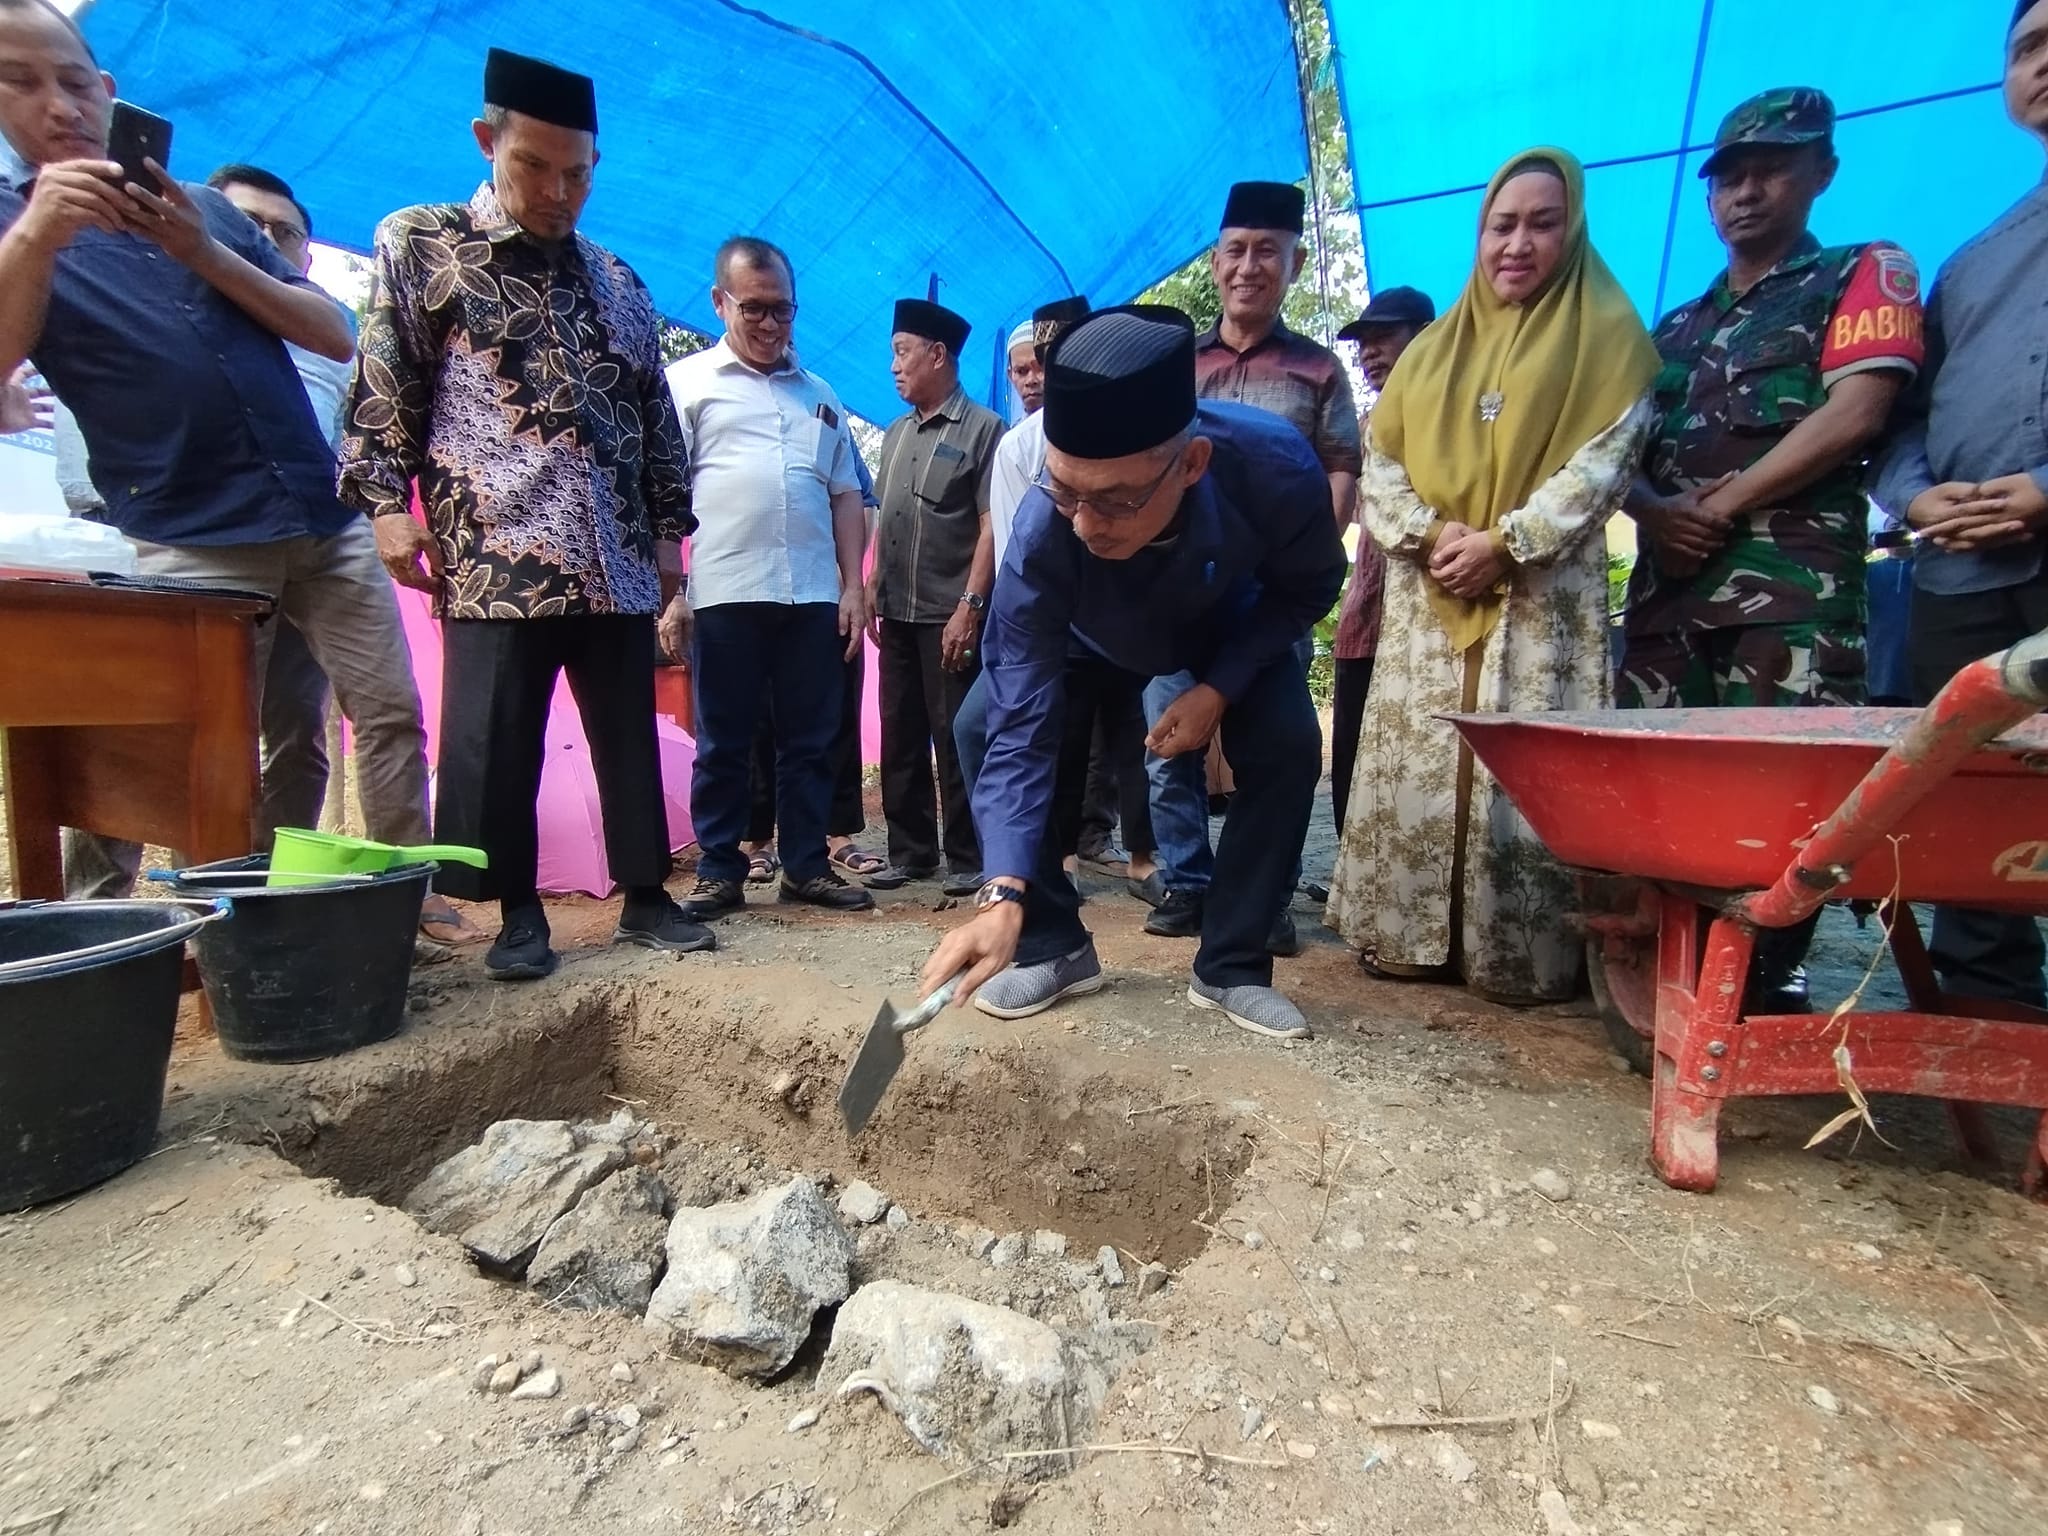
point(974, 600)
point(993, 895)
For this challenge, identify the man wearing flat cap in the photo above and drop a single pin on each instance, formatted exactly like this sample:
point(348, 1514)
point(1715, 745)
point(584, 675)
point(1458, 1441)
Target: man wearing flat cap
point(934, 563)
point(1250, 356)
point(1165, 535)
point(1777, 383)
point(511, 367)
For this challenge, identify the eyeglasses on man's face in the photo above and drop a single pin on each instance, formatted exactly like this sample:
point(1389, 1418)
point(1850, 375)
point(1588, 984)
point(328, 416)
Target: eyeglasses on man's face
point(760, 314)
point(282, 232)
point(1069, 502)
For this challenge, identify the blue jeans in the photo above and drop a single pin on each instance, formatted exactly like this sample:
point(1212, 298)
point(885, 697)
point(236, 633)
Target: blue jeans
point(1180, 793)
point(746, 655)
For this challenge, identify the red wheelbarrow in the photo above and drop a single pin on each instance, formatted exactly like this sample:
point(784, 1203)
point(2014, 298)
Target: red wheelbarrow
point(1726, 821)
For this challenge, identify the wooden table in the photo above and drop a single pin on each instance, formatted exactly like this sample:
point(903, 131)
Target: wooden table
point(128, 713)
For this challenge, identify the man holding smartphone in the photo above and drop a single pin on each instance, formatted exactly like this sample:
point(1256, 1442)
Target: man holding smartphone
point(161, 319)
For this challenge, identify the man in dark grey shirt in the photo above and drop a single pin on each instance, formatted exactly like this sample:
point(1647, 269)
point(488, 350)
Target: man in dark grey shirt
point(1970, 471)
point(934, 565)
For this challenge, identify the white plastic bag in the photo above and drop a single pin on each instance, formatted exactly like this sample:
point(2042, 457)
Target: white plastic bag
point(51, 543)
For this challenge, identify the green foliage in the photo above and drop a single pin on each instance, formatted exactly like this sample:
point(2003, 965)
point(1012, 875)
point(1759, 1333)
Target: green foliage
point(1331, 289)
point(676, 342)
point(1618, 568)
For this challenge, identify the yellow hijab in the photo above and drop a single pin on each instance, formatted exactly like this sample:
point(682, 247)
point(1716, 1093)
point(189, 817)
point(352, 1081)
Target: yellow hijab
point(1562, 368)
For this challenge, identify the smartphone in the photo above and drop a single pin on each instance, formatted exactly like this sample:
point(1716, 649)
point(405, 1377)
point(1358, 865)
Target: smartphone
point(134, 134)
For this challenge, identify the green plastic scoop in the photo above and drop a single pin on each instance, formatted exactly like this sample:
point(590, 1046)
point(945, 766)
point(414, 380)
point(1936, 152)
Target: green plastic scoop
point(302, 857)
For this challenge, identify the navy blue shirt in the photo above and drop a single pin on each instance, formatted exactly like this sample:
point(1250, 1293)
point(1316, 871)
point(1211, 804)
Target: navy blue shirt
point(1980, 409)
point(195, 422)
point(1251, 562)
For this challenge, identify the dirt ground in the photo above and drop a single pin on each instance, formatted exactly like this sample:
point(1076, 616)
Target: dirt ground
point(243, 1335)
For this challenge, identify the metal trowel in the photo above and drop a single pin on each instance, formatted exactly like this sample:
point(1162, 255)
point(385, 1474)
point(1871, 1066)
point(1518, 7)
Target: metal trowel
point(880, 1054)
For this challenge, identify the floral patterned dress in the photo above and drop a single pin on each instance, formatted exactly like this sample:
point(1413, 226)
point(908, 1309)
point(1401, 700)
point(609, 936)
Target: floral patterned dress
point(1398, 859)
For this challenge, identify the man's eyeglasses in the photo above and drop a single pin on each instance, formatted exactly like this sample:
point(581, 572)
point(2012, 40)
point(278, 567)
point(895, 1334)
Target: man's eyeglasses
point(1068, 502)
point(781, 314)
point(280, 231)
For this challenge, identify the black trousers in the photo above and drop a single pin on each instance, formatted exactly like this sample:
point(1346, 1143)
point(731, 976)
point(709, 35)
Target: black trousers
point(1978, 953)
point(497, 678)
point(848, 817)
point(919, 700)
point(1347, 719)
point(1274, 745)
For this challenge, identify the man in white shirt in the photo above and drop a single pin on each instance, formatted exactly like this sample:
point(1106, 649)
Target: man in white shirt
point(775, 589)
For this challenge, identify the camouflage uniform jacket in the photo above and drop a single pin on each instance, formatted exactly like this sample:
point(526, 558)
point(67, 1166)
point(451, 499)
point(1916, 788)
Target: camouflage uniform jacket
point(1740, 372)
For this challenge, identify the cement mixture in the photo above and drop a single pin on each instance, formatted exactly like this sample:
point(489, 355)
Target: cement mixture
point(1412, 1276)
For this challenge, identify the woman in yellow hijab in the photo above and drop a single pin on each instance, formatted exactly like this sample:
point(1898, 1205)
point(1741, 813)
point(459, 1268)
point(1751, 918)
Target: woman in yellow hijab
point(1504, 441)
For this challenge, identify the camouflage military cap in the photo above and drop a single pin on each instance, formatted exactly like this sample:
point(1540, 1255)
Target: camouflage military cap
point(1792, 114)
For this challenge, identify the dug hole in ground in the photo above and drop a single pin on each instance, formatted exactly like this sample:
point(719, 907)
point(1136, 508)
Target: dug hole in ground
point(1412, 1276)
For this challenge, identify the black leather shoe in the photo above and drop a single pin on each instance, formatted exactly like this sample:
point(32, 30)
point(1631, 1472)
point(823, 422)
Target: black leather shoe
point(1283, 940)
point(668, 929)
point(521, 952)
point(827, 890)
point(965, 883)
point(1178, 916)
point(710, 898)
point(1151, 890)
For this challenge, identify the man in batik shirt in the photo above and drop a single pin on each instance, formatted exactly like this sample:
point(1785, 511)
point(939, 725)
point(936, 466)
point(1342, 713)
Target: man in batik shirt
point(511, 366)
point(1749, 589)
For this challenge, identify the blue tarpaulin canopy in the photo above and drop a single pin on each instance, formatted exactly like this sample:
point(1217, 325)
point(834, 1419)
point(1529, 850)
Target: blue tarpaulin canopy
point(1021, 152)
point(1438, 96)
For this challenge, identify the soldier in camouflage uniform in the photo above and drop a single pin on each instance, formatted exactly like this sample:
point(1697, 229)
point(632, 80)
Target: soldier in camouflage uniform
point(1748, 589)
point(1748, 586)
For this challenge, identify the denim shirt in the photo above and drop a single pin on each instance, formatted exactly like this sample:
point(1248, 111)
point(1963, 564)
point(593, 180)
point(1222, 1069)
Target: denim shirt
point(196, 422)
point(1981, 409)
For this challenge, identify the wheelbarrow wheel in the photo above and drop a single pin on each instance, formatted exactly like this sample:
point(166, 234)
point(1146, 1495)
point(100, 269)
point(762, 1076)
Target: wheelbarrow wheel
point(1624, 992)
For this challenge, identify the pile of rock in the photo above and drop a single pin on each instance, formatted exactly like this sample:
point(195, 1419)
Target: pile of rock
point(588, 1214)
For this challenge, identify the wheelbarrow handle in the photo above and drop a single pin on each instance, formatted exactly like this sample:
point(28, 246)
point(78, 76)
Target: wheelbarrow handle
point(209, 912)
point(930, 1008)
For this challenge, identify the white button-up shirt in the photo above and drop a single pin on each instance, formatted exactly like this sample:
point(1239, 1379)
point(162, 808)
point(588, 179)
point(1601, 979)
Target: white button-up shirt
point(1020, 459)
point(767, 451)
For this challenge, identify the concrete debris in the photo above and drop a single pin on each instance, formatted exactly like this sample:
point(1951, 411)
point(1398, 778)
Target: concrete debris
point(967, 1380)
point(979, 1241)
point(1048, 1245)
point(1110, 1265)
point(1006, 1250)
point(862, 1203)
point(499, 1197)
point(746, 1279)
point(1551, 1185)
point(541, 1384)
point(608, 1251)
point(1152, 1279)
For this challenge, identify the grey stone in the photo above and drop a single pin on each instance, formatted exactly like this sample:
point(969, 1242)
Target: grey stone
point(745, 1280)
point(1823, 1399)
point(1048, 1245)
point(1551, 1185)
point(499, 1197)
point(979, 1241)
point(1007, 1250)
point(863, 1203)
point(622, 1373)
point(504, 1378)
point(626, 1440)
point(609, 1250)
point(481, 1374)
point(1266, 1327)
point(1111, 1266)
point(575, 1420)
point(969, 1381)
point(541, 1384)
point(897, 1217)
point(1254, 1239)
point(627, 1417)
point(1453, 1463)
point(1152, 1280)
point(1254, 1417)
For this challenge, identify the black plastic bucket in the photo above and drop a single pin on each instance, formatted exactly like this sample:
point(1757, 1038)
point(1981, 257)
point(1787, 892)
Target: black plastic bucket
point(303, 972)
point(88, 1003)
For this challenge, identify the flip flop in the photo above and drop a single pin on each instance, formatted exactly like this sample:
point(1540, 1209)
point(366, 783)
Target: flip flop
point(763, 867)
point(442, 923)
point(870, 869)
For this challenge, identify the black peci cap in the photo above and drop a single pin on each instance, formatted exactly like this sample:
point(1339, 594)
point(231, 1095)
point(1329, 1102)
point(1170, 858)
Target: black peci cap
point(934, 322)
point(1265, 205)
point(537, 89)
point(1120, 382)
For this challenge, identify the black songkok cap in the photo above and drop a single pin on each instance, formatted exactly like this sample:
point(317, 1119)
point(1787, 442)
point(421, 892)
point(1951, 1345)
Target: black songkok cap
point(1264, 205)
point(537, 89)
point(1120, 382)
point(1048, 320)
point(934, 322)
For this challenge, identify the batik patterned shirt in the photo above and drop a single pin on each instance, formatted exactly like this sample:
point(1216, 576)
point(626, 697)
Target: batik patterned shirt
point(521, 385)
point(1297, 380)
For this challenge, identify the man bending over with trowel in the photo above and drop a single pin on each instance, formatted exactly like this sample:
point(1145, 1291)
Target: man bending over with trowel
point(1162, 536)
